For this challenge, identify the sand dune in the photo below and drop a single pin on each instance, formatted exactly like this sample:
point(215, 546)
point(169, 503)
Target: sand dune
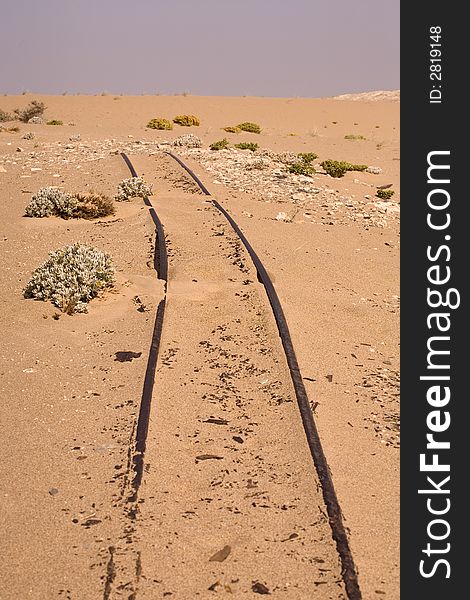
point(69, 408)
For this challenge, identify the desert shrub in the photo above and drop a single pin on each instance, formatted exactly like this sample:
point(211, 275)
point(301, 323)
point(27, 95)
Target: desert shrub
point(160, 123)
point(232, 129)
point(188, 140)
point(135, 187)
point(71, 277)
point(34, 109)
point(384, 194)
point(249, 127)
point(55, 122)
point(93, 206)
point(337, 168)
point(301, 168)
point(4, 116)
point(51, 201)
point(187, 120)
point(247, 146)
point(307, 157)
point(352, 136)
point(220, 145)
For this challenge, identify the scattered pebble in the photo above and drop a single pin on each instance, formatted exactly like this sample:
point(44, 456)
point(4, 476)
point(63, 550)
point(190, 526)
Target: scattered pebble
point(221, 555)
point(260, 588)
point(127, 356)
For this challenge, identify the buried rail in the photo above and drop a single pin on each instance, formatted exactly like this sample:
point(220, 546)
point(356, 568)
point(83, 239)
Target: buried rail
point(348, 568)
point(160, 263)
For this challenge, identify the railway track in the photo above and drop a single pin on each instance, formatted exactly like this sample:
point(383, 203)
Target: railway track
point(137, 462)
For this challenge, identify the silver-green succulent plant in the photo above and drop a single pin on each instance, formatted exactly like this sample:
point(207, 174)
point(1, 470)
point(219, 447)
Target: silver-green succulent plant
point(70, 277)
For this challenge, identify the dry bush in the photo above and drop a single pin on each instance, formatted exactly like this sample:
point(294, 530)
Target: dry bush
point(34, 109)
point(4, 116)
point(93, 206)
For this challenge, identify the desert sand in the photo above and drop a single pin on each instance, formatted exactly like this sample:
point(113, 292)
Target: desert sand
point(251, 520)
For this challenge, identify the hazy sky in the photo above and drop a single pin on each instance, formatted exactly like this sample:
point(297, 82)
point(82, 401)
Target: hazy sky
point(206, 47)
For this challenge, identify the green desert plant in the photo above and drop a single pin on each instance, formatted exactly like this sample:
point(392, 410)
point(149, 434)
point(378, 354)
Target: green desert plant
point(247, 146)
point(307, 157)
point(160, 123)
point(71, 277)
point(135, 187)
point(338, 168)
point(301, 168)
point(55, 122)
point(384, 194)
point(4, 116)
point(220, 145)
point(187, 120)
point(34, 109)
point(353, 136)
point(335, 168)
point(249, 127)
point(231, 129)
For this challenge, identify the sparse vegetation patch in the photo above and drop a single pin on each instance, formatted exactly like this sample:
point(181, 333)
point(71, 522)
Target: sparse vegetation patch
point(55, 122)
point(71, 277)
point(231, 129)
point(352, 136)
